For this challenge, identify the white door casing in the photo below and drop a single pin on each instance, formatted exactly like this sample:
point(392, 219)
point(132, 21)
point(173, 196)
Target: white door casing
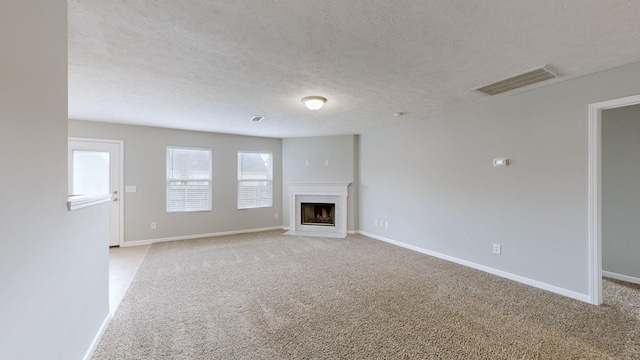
point(83, 150)
point(595, 191)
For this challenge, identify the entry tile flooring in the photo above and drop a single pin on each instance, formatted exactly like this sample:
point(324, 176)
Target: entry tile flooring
point(123, 265)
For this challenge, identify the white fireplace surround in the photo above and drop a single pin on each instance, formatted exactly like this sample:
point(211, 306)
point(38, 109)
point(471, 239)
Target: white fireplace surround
point(335, 193)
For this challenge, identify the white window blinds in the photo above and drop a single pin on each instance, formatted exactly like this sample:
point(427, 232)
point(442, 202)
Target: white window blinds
point(255, 178)
point(188, 179)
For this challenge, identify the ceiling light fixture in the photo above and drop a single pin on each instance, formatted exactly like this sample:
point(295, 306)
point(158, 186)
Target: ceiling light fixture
point(314, 102)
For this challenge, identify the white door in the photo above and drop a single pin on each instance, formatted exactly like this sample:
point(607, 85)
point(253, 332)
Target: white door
point(95, 168)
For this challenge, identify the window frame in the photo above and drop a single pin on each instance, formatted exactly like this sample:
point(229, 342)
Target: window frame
point(169, 180)
point(239, 179)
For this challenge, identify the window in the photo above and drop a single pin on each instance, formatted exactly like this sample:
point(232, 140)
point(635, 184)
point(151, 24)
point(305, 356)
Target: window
point(255, 177)
point(188, 179)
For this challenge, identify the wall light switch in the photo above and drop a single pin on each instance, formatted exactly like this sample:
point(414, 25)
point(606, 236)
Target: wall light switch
point(130, 189)
point(306, 162)
point(326, 162)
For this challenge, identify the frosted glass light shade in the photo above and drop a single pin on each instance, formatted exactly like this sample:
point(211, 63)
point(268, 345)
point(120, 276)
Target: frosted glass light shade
point(314, 102)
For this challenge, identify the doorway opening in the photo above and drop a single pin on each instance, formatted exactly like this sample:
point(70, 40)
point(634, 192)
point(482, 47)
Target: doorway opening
point(595, 191)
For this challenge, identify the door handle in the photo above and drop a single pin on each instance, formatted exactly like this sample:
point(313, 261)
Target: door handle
point(115, 199)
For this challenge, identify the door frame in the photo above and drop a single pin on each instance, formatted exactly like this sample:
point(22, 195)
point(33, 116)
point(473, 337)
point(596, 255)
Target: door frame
point(595, 191)
point(120, 144)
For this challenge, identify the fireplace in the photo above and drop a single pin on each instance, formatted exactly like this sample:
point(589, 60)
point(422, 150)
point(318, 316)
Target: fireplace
point(318, 209)
point(319, 214)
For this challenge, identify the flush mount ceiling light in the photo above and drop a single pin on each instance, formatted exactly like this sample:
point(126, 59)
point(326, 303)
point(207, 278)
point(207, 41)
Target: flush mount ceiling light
point(314, 102)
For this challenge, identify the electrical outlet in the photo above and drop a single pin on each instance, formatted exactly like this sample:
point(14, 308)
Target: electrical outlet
point(497, 249)
point(386, 224)
point(326, 162)
point(276, 215)
point(153, 225)
point(375, 222)
point(306, 162)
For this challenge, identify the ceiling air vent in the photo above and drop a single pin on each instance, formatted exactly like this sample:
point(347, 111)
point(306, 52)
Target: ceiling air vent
point(256, 119)
point(530, 77)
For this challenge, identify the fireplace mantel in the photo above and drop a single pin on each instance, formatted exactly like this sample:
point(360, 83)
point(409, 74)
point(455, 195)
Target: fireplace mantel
point(338, 191)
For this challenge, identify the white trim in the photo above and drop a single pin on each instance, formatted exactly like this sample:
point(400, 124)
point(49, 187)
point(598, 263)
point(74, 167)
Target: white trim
point(81, 201)
point(594, 207)
point(595, 191)
point(487, 269)
point(97, 337)
point(616, 276)
point(198, 236)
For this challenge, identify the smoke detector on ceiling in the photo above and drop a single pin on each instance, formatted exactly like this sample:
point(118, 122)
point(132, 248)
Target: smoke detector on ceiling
point(530, 77)
point(257, 118)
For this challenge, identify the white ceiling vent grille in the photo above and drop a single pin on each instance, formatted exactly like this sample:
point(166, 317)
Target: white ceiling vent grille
point(257, 118)
point(530, 77)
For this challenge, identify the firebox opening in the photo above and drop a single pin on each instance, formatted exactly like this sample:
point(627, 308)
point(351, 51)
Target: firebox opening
point(320, 214)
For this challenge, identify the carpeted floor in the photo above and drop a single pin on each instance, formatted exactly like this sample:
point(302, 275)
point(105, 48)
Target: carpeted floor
point(269, 296)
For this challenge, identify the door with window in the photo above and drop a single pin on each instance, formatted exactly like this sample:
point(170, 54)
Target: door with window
point(95, 169)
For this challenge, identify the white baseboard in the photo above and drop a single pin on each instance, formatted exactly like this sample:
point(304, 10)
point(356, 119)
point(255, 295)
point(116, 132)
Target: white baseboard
point(198, 236)
point(96, 339)
point(616, 276)
point(487, 269)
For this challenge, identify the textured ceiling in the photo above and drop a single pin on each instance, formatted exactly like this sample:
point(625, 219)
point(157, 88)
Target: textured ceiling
point(212, 65)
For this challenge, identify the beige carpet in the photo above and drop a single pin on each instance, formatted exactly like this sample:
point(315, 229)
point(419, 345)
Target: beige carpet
point(269, 296)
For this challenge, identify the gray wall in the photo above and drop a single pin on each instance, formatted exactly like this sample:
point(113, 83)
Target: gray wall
point(145, 167)
point(53, 263)
point(342, 153)
point(434, 182)
point(621, 190)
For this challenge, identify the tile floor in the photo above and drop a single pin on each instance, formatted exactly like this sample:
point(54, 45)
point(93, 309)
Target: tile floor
point(123, 265)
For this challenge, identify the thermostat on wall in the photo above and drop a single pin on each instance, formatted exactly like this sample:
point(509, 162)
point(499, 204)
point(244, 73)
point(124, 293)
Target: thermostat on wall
point(500, 162)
